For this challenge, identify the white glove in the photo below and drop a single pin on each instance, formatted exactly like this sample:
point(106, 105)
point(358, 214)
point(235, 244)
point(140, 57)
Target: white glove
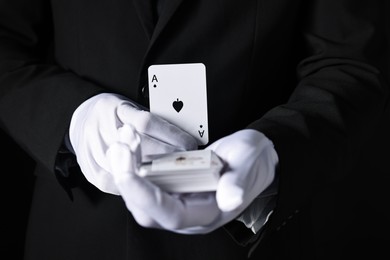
point(250, 159)
point(95, 125)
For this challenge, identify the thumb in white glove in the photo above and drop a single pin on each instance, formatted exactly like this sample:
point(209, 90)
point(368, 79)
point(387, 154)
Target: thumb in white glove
point(251, 162)
point(95, 126)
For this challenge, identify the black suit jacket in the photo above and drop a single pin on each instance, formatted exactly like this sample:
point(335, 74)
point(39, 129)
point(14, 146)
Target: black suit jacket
point(306, 73)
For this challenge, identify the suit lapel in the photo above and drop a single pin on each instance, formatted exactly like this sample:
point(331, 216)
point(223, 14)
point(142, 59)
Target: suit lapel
point(169, 8)
point(145, 12)
point(153, 31)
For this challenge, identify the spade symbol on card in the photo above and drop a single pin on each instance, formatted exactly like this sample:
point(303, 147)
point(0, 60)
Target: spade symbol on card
point(178, 105)
point(201, 131)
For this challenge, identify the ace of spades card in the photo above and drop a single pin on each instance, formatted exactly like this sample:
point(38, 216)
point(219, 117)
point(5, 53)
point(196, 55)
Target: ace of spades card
point(178, 93)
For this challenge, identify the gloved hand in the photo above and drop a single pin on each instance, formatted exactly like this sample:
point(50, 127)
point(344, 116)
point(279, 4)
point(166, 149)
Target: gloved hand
point(250, 159)
point(101, 120)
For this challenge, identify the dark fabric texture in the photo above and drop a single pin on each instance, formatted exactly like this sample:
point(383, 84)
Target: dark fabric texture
point(311, 75)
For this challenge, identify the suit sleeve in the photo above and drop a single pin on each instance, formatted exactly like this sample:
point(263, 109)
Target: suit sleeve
point(339, 100)
point(37, 98)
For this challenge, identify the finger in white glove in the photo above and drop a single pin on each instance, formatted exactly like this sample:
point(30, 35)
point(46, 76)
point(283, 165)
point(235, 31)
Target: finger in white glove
point(95, 126)
point(251, 160)
point(158, 136)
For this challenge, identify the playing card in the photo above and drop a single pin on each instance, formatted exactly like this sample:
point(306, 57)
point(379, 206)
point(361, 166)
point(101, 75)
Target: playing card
point(178, 93)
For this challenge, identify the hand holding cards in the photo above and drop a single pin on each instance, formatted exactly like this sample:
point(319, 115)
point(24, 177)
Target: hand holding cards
point(191, 171)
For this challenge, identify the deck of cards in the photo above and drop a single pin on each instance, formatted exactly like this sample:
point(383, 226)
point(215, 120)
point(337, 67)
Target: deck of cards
point(183, 172)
